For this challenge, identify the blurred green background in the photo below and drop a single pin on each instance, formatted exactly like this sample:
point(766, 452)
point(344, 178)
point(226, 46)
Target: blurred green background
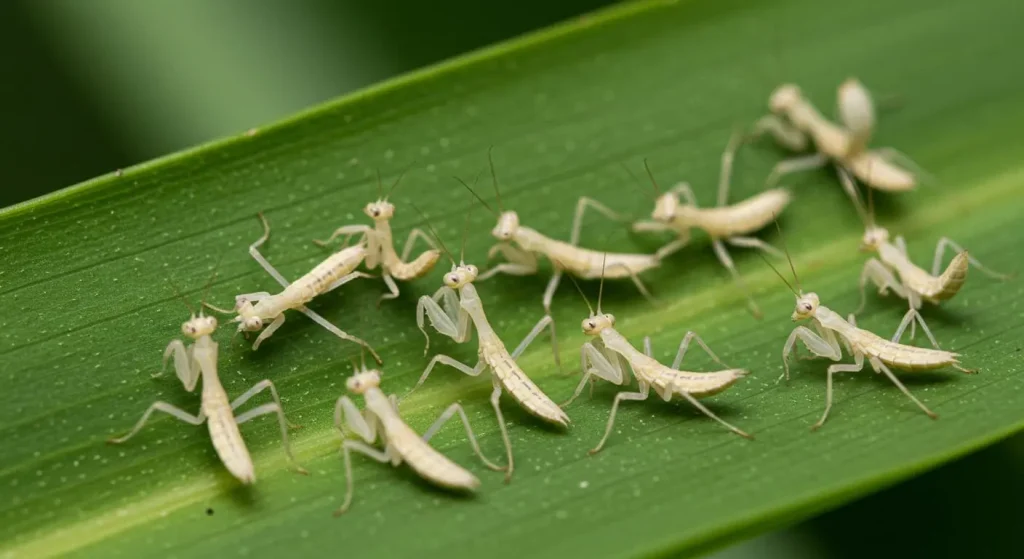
point(91, 86)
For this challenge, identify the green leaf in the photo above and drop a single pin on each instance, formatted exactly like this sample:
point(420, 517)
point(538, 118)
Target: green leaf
point(87, 312)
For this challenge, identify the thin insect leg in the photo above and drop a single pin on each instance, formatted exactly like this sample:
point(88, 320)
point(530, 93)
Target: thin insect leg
point(338, 332)
point(537, 329)
point(685, 192)
point(359, 423)
point(410, 241)
point(754, 242)
point(709, 413)
point(345, 279)
point(268, 331)
point(673, 247)
point(581, 206)
point(882, 277)
point(909, 318)
point(256, 389)
point(185, 365)
point(496, 404)
point(347, 230)
point(684, 345)
point(725, 174)
point(795, 165)
point(850, 187)
point(255, 253)
point(444, 417)
point(644, 392)
point(166, 408)
point(214, 308)
point(726, 260)
point(392, 289)
point(549, 291)
point(814, 343)
point(439, 319)
point(594, 363)
point(445, 360)
point(940, 249)
point(636, 281)
point(520, 262)
point(275, 408)
point(784, 133)
point(878, 365)
point(858, 365)
point(362, 448)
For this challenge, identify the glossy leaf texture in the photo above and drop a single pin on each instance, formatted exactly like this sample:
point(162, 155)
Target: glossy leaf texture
point(86, 309)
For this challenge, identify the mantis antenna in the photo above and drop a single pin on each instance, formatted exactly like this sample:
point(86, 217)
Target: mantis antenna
point(434, 233)
point(657, 189)
point(475, 195)
point(782, 241)
point(600, 290)
point(177, 292)
point(582, 294)
point(494, 178)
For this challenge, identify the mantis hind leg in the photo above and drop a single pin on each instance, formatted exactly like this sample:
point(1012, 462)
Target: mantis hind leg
point(163, 407)
point(726, 260)
point(339, 332)
point(879, 366)
point(265, 409)
point(795, 165)
point(909, 318)
point(940, 249)
point(643, 394)
point(581, 206)
point(444, 417)
point(496, 404)
point(636, 281)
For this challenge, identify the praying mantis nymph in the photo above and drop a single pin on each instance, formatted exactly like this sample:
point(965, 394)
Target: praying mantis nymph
point(794, 119)
point(603, 358)
point(520, 246)
point(879, 352)
point(381, 420)
point(200, 360)
point(254, 310)
point(463, 309)
point(380, 249)
point(894, 271)
point(725, 224)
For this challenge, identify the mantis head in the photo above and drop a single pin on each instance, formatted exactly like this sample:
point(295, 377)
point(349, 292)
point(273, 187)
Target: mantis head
point(806, 306)
point(362, 381)
point(199, 326)
point(594, 324)
point(873, 238)
point(460, 275)
point(507, 227)
point(248, 320)
point(784, 98)
point(665, 207)
point(381, 210)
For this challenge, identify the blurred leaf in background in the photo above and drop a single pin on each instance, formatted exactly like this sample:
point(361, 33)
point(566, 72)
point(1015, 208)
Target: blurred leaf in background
point(93, 86)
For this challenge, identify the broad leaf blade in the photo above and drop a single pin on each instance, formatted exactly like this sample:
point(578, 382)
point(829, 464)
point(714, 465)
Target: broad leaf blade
point(87, 312)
